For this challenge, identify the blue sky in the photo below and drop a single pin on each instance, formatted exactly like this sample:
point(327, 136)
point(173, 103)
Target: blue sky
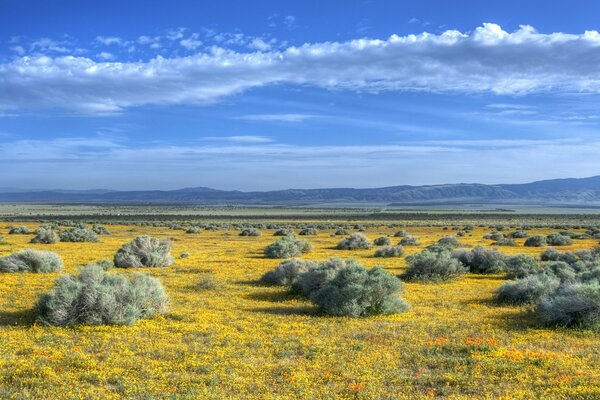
point(276, 94)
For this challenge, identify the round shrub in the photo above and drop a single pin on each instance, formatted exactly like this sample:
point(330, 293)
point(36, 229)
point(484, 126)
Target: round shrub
point(308, 232)
point(556, 239)
point(78, 235)
point(317, 275)
point(535, 241)
point(287, 272)
point(481, 260)
point(19, 230)
point(287, 247)
point(382, 241)
point(100, 230)
point(96, 298)
point(144, 252)
point(193, 229)
point(30, 260)
point(433, 266)
point(341, 232)
point(283, 232)
point(521, 265)
point(354, 242)
point(389, 251)
point(45, 236)
point(410, 241)
point(250, 232)
point(357, 292)
point(505, 242)
point(449, 241)
point(551, 254)
point(401, 233)
point(519, 234)
point(527, 290)
point(572, 305)
point(494, 236)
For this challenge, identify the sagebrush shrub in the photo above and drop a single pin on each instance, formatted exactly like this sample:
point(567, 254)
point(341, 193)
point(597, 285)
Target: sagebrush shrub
point(193, 229)
point(317, 275)
point(144, 252)
point(19, 230)
point(341, 232)
point(482, 260)
point(519, 234)
point(410, 241)
point(250, 232)
point(433, 266)
point(521, 265)
point(96, 298)
point(450, 241)
point(494, 236)
point(572, 305)
point(401, 233)
point(78, 235)
point(535, 241)
point(528, 289)
point(357, 292)
point(288, 246)
point(100, 230)
point(389, 251)
point(308, 232)
point(355, 241)
point(45, 236)
point(30, 260)
point(382, 241)
point(283, 232)
point(505, 242)
point(287, 272)
point(556, 239)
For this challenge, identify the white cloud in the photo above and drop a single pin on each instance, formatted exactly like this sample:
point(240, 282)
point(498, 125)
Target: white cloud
point(277, 117)
point(259, 44)
point(105, 55)
point(192, 42)
point(110, 40)
point(489, 60)
point(18, 49)
point(239, 139)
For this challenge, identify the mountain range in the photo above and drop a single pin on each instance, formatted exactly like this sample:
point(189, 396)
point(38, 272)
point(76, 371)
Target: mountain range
point(571, 191)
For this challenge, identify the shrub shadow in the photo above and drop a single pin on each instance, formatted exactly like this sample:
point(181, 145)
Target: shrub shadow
point(275, 297)
point(306, 311)
point(17, 318)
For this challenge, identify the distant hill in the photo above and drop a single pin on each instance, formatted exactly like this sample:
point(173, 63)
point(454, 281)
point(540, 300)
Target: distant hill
point(572, 191)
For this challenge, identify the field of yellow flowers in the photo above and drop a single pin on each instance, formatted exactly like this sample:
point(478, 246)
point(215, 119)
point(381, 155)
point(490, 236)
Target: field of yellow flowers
point(227, 337)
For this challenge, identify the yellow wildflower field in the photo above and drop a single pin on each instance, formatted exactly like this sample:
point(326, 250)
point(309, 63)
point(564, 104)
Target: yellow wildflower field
point(239, 340)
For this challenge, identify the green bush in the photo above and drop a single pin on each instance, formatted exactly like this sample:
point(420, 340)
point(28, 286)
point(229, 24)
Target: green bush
point(521, 265)
point(556, 239)
point(519, 234)
point(19, 230)
point(494, 236)
point(535, 241)
point(354, 242)
point(341, 232)
point(30, 260)
point(283, 232)
point(433, 266)
point(401, 233)
point(287, 247)
point(250, 232)
point(317, 275)
point(572, 305)
point(527, 290)
point(382, 241)
point(95, 298)
point(308, 232)
point(482, 260)
point(45, 236)
point(193, 229)
point(505, 242)
point(389, 251)
point(410, 241)
point(78, 235)
point(357, 292)
point(551, 254)
point(449, 241)
point(100, 230)
point(144, 252)
point(287, 272)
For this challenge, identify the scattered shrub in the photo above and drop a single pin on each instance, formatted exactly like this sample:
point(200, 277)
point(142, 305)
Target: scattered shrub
point(527, 290)
point(308, 232)
point(450, 241)
point(100, 230)
point(433, 266)
point(390, 251)
point(318, 274)
point(551, 254)
point(401, 233)
point(19, 230)
point(30, 260)
point(572, 305)
point(341, 232)
point(78, 235)
point(45, 236)
point(521, 265)
point(95, 298)
point(283, 232)
point(535, 241)
point(410, 241)
point(507, 241)
point(250, 232)
point(494, 236)
point(356, 292)
point(382, 241)
point(556, 239)
point(481, 260)
point(193, 229)
point(287, 247)
point(287, 272)
point(354, 242)
point(144, 252)
point(519, 235)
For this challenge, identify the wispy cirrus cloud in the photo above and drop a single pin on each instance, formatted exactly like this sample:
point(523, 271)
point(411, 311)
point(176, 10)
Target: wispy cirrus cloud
point(487, 60)
point(239, 139)
point(277, 117)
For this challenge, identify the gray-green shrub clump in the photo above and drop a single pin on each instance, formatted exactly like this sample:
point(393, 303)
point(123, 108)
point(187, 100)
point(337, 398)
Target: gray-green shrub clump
point(341, 232)
point(389, 251)
point(520, 265)
point(382, 241)
point(527, 290)
point(78, 235)
point(308, 232)
point(287, 272)
point(317, 275)
point(556, 239)
point(45, 236)
point(250, 232)
point(482, 260)
point(100, 230)
point(288, 246)
point(30, 260)
point(96, 298)
point(144, 252)
point(355, 241)
point(572, 305)
point(357, 292)
point(19, 230)
point(535, 241)
point(433, 266)
point(410, 241)
point(193, 229)
point(401, 233)
point(284, 232)
point(450, 241)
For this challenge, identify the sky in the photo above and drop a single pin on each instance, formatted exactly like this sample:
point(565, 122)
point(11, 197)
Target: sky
point(263, 95)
